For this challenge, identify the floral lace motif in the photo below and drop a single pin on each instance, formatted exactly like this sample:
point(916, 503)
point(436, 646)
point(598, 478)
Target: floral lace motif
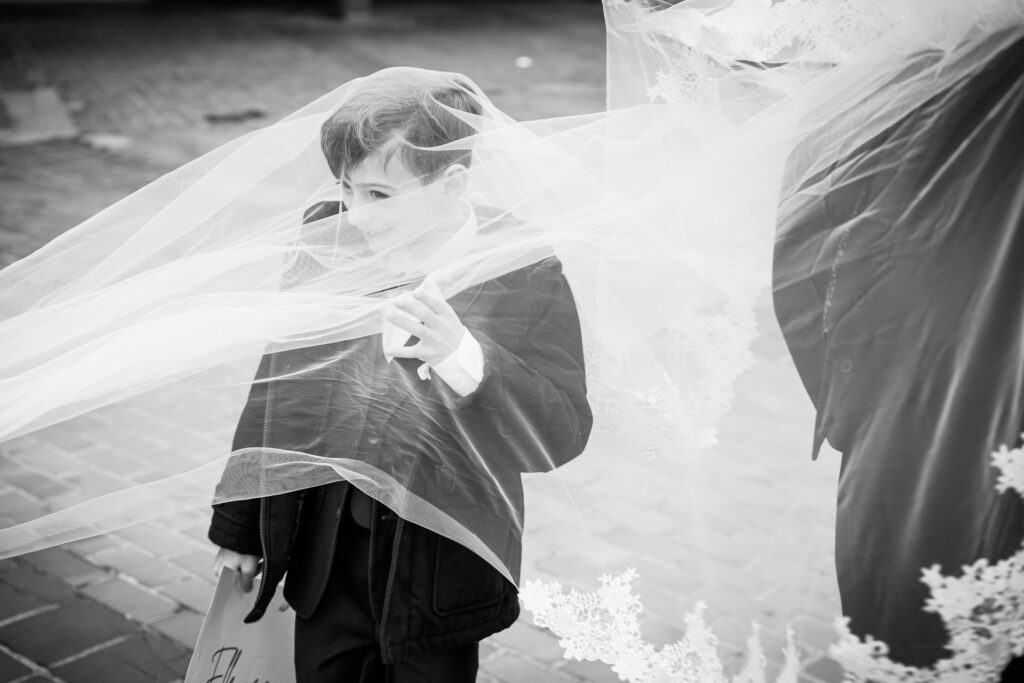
point(604, 626)
point(983, 610)
point(679, 419)
point(824, 31)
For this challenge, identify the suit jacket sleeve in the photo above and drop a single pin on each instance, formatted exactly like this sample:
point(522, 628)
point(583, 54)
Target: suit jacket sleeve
point(531, 407)
point(236, 524)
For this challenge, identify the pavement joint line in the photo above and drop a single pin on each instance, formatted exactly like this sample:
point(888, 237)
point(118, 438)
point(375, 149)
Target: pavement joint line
point(151, 590)
point(34, 669)
point(28, 615)
point(89, 651)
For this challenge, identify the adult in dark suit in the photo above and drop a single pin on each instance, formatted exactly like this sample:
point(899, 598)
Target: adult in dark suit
point(899, 286)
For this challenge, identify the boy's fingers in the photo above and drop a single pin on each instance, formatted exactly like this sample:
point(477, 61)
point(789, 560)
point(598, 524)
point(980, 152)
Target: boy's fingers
point(430, 294)
point(406, 352)
point(404, 322)
point(413, 307)
point(247, 569)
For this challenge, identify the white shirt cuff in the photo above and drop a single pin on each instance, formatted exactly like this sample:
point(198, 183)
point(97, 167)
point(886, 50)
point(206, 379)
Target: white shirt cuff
point(463, 369)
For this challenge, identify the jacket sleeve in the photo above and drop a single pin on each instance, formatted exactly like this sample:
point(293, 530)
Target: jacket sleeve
point(236, 524)
point(531, 407)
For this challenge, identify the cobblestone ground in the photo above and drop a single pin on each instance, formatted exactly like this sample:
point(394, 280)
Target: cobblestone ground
point(96, 104)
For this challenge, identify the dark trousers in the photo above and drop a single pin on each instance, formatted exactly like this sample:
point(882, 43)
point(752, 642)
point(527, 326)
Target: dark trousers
point(338, 643)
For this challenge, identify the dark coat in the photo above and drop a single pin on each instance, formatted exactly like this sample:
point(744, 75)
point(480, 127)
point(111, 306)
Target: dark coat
point(529, 414)
point(904, 314)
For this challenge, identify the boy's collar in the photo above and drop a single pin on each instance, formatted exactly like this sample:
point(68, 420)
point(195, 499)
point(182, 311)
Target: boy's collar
point(455, 247)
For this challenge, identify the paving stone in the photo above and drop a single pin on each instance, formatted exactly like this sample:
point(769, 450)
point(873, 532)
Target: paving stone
point(667, 578)
point(183, 626)
point(539, 644)
point(14, 602)
point(35, 484)
point(791, 602)
point(591, 672)
point(190, 591)
point(665, 604)
point(722, 601)
point(121, 464)
point(142, 657)
point(644, 520)
point(199, 562)
point(149, 570)
point(489, 650)
point(599, 550)
point(566, 567)
point(198, 530)
point(93, 483)
point(639, 545)
point(159, 541)
point(659, 632)
point(38, 114)
point(714, 547)
point(815, 633)
point(70, 436)
point(129, 600)
point(10, 668)
point(511, 668)
point(47, 459)
point(77, 625)
point(733, 631)
point(94, 544)
point(30, 581)
point(64, 565)
point(11, 451)
point(19, 507)
point(825, 669)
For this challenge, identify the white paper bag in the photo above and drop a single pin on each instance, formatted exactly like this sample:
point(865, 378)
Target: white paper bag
point(231, 651)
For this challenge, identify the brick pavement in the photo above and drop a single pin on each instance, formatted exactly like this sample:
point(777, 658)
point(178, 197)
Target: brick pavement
point(147, 92)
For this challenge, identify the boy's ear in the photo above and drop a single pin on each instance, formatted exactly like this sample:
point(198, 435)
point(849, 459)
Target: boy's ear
point(454, 179)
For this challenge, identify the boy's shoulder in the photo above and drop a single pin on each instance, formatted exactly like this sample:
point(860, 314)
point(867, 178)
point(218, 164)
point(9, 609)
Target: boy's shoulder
point(320, 210)
point(502, 226)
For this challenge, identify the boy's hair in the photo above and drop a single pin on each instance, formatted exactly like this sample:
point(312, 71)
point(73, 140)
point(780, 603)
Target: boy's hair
point(407, 105)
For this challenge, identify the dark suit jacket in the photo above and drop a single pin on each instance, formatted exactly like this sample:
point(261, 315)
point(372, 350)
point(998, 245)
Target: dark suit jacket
point(904, 314)
point(464, 455)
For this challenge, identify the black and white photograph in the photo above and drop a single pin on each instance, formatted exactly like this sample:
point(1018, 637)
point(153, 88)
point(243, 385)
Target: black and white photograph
point(522, 341)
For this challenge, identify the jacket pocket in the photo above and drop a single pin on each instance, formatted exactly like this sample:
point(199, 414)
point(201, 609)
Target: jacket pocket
point(463, 581)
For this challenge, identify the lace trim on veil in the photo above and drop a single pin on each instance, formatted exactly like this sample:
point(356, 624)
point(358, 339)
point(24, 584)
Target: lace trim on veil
point(983, 610)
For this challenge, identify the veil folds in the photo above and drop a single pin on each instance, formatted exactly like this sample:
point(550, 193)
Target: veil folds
point(796, 226)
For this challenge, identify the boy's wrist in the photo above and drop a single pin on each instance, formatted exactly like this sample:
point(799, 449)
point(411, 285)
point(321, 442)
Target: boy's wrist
point(463, 368)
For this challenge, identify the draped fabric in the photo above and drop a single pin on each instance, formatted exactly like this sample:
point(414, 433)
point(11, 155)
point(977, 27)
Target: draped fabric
point(596, 351)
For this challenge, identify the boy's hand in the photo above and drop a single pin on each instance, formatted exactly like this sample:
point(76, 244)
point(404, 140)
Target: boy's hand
point(245, 565)
point(424, 313)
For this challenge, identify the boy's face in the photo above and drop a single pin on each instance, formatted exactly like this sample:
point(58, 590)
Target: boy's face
point(393, 210)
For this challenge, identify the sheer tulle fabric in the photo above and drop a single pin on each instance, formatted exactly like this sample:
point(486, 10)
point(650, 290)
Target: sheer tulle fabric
point(641, 414)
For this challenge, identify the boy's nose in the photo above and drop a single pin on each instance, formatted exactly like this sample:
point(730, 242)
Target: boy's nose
point(360, 217)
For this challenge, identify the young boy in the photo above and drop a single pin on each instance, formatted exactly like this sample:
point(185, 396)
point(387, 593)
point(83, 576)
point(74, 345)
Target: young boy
point(459, 398)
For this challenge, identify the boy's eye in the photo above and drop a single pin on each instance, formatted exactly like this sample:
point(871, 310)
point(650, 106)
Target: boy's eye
point(375, 194)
